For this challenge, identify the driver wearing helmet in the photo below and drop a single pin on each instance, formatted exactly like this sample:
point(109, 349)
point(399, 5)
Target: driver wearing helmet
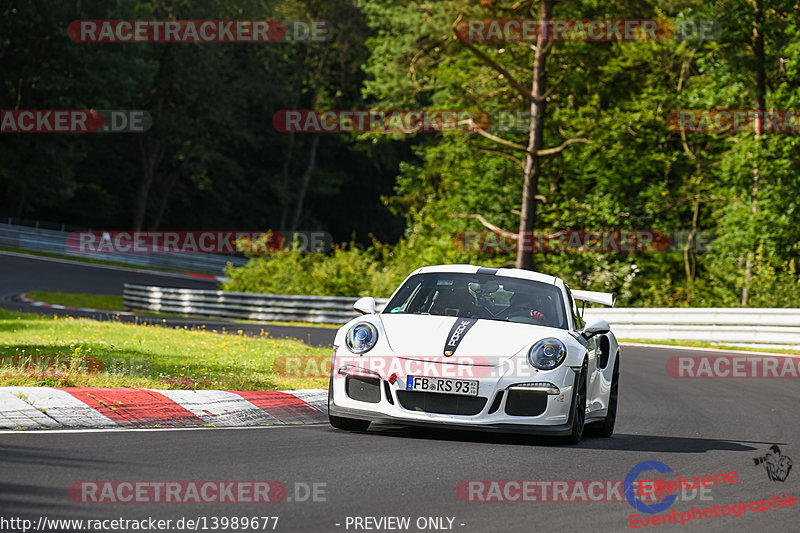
point(523, 305)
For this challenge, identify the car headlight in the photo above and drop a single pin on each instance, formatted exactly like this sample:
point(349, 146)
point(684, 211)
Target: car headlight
point(361, 337)
point(547, 354)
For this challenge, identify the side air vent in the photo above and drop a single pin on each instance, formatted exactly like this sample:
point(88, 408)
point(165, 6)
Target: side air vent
point(496, 403)
point(388, 392)
point(605, 351)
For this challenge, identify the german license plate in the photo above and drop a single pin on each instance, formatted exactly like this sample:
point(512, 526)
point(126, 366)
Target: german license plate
point(465, 387)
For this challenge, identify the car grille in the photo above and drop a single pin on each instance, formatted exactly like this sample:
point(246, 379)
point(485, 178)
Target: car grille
point(443, 404)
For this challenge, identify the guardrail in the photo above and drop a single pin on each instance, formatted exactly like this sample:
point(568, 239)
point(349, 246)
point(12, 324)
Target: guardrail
point(54, 241)
point(763, 326)
point(243, 305)
point(718, 325)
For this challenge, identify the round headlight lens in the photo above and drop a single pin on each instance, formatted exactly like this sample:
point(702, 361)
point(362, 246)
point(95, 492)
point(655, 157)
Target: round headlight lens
point(361, 337)
point(547, 354)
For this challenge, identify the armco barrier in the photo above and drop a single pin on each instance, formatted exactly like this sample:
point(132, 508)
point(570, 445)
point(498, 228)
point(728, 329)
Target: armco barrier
point(249, 306)
point(54, 241)
point(763, 326)
point(719, 325)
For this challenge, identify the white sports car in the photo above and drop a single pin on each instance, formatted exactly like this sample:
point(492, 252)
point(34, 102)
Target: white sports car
point(477, 348)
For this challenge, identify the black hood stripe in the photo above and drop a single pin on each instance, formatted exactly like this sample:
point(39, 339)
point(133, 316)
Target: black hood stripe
point(457, 333)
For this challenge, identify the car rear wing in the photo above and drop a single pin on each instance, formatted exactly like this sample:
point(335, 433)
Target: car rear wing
point(603, 298)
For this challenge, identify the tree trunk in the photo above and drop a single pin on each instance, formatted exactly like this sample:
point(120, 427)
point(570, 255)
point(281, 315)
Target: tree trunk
point(689, 259)
point(149, 160)
point(306, 179)
point(23, 196)
point(527, 219)
point(285, 196)
point(761, 105)
point(163, 201)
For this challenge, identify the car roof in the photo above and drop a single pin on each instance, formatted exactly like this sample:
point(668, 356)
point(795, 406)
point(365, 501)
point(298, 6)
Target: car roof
point(507, 272)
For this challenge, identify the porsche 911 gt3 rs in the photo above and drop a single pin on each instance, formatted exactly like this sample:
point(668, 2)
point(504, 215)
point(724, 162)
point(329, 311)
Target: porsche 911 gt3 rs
point(477, 348)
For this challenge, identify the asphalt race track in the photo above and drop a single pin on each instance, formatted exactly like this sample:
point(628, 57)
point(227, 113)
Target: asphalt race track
point(19, 274)
point(696, 427)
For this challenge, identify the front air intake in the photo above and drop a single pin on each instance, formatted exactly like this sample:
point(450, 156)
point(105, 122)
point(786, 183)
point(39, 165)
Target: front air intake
point(363, 389)
point(443, 404)
point(522, 402)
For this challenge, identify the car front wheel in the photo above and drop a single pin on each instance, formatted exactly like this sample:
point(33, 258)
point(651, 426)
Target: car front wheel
point(579, 407)
point(606, 428)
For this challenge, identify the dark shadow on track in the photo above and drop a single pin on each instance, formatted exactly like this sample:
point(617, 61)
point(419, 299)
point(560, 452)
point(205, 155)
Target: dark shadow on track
point(26, 501)
point(10, 455)
point(619, 442)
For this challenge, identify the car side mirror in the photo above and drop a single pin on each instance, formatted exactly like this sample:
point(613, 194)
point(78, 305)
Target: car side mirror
point(366, 305)
point(596, 328)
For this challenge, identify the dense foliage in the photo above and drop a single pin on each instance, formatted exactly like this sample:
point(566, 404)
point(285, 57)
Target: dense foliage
point(224, 166)
point(212, 159)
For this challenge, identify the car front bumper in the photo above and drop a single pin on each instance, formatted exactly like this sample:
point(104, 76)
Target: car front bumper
point(502, 405)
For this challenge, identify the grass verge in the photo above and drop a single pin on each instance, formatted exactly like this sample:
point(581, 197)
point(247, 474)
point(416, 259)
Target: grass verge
point(38, 350)
point(701, 344)
point(108, 302)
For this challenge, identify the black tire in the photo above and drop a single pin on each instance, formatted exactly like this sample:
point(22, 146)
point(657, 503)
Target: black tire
point(348, 424)
point(606, 428)
point(579, 407)
point(340, 422)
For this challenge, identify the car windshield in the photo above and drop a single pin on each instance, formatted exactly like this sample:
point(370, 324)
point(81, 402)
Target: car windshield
point(485, 296)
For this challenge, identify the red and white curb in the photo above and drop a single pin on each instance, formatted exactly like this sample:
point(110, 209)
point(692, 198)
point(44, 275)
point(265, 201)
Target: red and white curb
point(218, 279)
point(100, 407)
